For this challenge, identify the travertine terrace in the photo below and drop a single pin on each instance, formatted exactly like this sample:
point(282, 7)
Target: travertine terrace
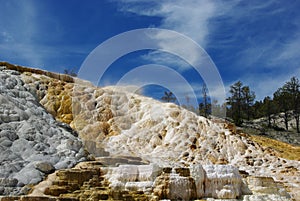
point(139, 145)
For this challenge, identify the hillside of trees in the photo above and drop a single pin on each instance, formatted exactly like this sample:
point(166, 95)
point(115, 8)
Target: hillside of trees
point(241, 105)
point(285, 103)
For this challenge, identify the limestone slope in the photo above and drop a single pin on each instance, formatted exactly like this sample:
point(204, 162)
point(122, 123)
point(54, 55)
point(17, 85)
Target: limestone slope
point(32, 143)
point(166, 134)
point(115, 122)
point(111, 120)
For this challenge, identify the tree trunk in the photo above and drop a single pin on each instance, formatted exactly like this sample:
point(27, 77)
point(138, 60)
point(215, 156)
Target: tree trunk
point(248, 113)
point(297, 123)
point(286, 120)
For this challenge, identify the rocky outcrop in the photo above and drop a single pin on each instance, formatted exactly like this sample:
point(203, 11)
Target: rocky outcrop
point(22, 69)
point(86, 181)
point(95, 181)
point(32, 143)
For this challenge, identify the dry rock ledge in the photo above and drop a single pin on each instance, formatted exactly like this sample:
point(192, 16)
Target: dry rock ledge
point(143, 149)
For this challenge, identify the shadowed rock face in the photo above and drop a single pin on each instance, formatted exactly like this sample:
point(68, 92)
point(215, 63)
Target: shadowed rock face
point(32, 142)
point(111, 121)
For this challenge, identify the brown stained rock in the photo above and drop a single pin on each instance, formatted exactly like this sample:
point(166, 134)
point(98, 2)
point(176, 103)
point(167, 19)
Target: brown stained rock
point(69, 181)
point(104, 115)
point(161, 186)
point(212, 158)
point(184, 172)
point(175, 114)
point(28, 198)
point(222, 161)
point(231, 127)
point(37, 198)
point(265, 185)
point(138, 195)
point(57, 100)
point(11, 198)
point(290, 170)
point(67, 118)
point(80, 122)
point(175, 186)
point(107, 100)
point(104, 127)
point(67, 199)
point(56, 190)
point(60, 183)
point(76, 175)
point(101, 196)
point(66, 105)
point(167, 169)
point(98, 92)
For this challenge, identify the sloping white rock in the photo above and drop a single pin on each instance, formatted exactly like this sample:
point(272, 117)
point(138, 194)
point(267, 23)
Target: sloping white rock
point(123, 123)
point(126, 173)
point(270, 197)
point(197, 172)
point(29, 134)
point(145, 186)
point(222, 181)
point(148, 172)
point(133, 176)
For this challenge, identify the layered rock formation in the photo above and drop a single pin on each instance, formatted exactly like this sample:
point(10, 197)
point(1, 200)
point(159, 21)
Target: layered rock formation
point(95, 181)
point(111, 121)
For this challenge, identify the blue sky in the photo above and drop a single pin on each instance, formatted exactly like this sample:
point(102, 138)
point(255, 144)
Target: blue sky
point(256, 41)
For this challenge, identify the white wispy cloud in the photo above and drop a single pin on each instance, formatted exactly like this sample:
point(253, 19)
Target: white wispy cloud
point(190, 18)
point(165, 58)
point(187, 17)
point(260, 57)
